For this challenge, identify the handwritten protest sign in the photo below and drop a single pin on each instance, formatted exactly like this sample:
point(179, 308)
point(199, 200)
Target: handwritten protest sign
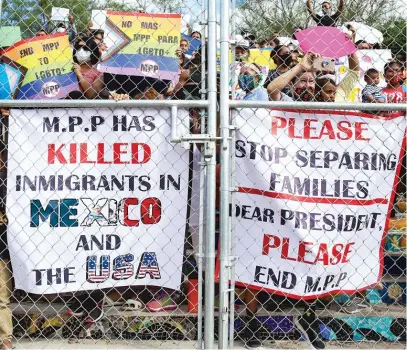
point(315, 190)
point(143, 44)
point(59, 14)
point(108, 191)
point(9, 35)
point(48, 61)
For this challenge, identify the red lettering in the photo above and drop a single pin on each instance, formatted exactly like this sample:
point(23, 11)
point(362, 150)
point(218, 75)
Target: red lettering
point(135, 153)
point(150, 211)
point(358, 131)
point(291, 129)
point(327, 130)
point(336, 253)
point(346, 130)
point(101, 154)
point(277, 123)
point(302, 250)
point(266, 243)
point(126, 204)
point(308, 128)
point(284, 250)
point(346, 252)
point(52, 153)
point(72, 153)
point(83, 154)
point(322, 254)
point(117, 151)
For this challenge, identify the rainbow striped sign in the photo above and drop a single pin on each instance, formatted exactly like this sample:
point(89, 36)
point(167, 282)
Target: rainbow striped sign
point(48, 60)
point(142, 44)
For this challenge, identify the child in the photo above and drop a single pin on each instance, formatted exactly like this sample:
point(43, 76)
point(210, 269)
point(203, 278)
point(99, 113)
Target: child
point(395, 90)
point(372, 92)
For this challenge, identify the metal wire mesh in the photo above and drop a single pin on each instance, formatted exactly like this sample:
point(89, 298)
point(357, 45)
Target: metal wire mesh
point(125, 126)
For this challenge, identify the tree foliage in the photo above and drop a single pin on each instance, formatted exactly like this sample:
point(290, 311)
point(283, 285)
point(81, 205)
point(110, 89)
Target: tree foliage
point(394, 32)
point(264, 17)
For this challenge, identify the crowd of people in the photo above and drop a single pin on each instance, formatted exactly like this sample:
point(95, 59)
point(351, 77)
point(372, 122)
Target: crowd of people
point(294, 78)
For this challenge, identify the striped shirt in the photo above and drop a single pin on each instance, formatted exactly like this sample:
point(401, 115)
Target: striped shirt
point(371, 90)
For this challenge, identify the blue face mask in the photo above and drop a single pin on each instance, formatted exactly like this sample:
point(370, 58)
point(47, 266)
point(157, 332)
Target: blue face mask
point(247, 83)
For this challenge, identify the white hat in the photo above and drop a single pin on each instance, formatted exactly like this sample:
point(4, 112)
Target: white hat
point(244, 44)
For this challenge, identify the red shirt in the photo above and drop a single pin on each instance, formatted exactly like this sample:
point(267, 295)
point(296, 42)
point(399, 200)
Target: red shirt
point(398, 95)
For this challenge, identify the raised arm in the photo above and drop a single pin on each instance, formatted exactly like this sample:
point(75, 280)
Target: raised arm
point(353, 58)
point(183, 78)
point(309, 8)
point(341, 6)
point(277, 85)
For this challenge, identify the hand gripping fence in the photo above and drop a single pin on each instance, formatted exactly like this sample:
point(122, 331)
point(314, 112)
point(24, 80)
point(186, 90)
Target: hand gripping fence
point(175, 178)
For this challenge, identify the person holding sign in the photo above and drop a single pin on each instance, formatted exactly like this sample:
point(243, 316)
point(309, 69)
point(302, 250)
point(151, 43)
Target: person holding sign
point(328, 19)
point(86, 55)
point(304, 87)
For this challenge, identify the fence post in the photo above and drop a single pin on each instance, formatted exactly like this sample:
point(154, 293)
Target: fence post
point(210, 156)
point(224, 266)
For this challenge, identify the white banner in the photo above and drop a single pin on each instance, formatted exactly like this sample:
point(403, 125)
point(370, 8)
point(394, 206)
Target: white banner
point(97, 198)
point(314, 194)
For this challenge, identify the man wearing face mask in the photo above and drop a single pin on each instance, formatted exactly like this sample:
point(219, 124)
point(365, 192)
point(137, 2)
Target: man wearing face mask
point(249, 81)
point(282, 57)
point(300, 79)
point(328, 19)
point(61, 28)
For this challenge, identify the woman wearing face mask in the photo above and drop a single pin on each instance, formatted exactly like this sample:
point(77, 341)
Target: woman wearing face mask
point(249, 81)
point(283, 59)
point(86, 55)
point(395, 91)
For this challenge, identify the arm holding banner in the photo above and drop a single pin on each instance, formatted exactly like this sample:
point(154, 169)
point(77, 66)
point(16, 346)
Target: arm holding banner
point(183, 78)
point(340, 7)
point(311, 11)
point(352, 76)
point(72, 32)
point(353, 58)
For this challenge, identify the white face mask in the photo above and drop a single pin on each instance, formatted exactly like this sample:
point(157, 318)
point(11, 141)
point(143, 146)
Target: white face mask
point(83, 56)
point(326, 11)
point(61, 30)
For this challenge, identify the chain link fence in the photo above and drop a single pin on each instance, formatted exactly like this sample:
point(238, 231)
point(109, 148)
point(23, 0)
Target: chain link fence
point(203, 175)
